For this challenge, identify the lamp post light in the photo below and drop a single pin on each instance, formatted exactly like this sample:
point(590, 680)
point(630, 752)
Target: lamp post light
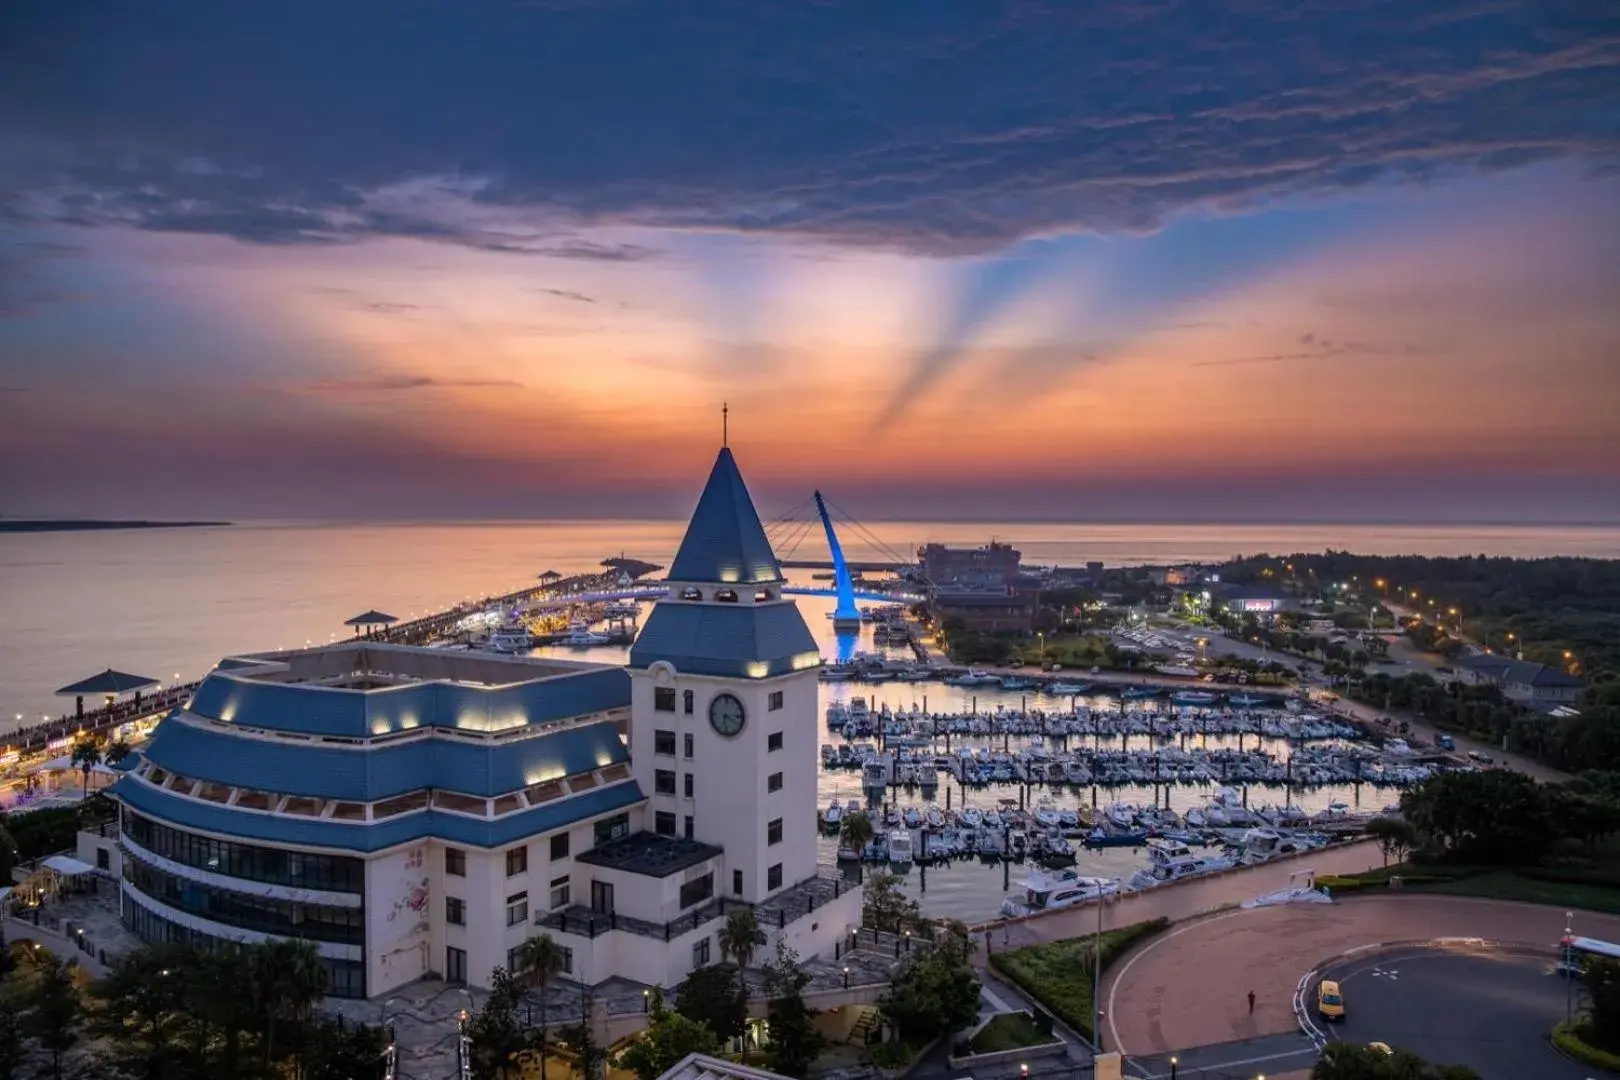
point(1173, 1067)
point(646, 1000)
point(1569, 972)
point(846, 976)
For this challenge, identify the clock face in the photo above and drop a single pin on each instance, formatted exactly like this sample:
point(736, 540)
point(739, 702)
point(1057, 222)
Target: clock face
point(726, 714)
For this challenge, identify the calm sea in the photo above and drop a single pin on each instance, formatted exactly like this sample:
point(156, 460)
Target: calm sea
point(170, 603)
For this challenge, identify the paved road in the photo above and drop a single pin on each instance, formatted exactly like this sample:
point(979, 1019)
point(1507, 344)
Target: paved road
point(1491, 1011)
point(1187, 988)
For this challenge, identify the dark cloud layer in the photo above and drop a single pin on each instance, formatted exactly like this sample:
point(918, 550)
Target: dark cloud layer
point(928, 126)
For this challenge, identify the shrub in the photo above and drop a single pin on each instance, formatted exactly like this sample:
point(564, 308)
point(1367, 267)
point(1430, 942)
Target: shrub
point(1058, 974)
point(890, 1055)
point(1567, 1038)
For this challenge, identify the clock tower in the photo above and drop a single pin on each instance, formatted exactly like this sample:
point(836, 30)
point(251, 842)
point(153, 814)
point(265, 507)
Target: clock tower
point(724, 700)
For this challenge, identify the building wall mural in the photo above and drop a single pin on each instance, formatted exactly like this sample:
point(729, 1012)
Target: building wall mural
point(399, 931)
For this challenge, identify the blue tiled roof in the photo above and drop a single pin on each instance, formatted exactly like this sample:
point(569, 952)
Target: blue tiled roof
point(364, 774)
point(723, 639)
point(724, 541)
point(351, 836)
point(324, 710)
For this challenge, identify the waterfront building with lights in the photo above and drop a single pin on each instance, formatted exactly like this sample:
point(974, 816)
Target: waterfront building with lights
point(420, 812)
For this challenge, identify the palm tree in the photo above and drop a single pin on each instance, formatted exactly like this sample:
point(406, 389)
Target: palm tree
point(540, 960)
point(117, 752)
point(87, 755)
point(289, 978)
point(856, 831)
point(739, 939)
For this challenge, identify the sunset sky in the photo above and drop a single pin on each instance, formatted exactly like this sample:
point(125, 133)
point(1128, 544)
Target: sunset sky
point(1179, 261)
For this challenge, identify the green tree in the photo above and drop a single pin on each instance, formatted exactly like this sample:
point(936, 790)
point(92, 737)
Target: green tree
point(740, 938)
point(144, 1007)
point(494, 1032)
point(1600, 979)
point(224, 1010)
point(334, 1050)
point(117, 751)
point(795, 1040)
point(87, 755)
point(713, 997)
point(855, 832)
point(54, 1008)
point(1395, 836)
point(886, 907)
point(935, 992)
point(1492, 817)
point(581, 1039)
point(668, 1038)
point(1352, 1061)
point(288, 979)
point(540, 960)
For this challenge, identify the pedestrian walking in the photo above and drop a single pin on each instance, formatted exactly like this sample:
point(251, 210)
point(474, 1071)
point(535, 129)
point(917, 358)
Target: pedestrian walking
point(1251, 1002)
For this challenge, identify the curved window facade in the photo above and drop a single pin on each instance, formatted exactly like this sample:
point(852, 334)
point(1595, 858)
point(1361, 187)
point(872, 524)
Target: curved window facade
point(273, 866)
point(283, 918)
point(344, 978)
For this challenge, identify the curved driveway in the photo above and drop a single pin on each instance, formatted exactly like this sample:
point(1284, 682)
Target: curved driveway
point(1188, 987)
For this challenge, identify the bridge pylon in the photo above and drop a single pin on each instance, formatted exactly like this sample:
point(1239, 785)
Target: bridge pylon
point(845, 615)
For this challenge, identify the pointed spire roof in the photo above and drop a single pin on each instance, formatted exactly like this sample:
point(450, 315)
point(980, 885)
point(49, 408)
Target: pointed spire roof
point(725, 542)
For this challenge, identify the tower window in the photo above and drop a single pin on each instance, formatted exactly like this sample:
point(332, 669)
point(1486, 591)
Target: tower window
point(664, 781)
point(687, 700)
point(773, 782)
point(773, 832)
point(664, 742)
point(664, 698)
point(773, 877)
point(763, 595)
point(726, 596)
point(775, 701)
point(774, 743)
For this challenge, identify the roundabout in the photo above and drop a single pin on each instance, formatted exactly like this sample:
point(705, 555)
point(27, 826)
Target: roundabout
point(1486, 1007)
point(1185, 993)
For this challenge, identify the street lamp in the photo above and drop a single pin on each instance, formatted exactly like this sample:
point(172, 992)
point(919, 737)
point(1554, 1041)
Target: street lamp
point(1172, 1067)
point(1569, 973)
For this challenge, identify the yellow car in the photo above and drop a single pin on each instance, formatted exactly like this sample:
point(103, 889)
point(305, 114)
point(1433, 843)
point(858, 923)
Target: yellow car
point(1329, 1000)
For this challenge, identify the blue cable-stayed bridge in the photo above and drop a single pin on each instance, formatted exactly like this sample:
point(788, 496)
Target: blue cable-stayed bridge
point(786, 533)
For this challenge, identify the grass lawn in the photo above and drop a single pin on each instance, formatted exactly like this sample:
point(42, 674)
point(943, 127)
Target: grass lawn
point(1493, 883)
point(1058, 974)
point(1507, 885)
point(1009, 1031)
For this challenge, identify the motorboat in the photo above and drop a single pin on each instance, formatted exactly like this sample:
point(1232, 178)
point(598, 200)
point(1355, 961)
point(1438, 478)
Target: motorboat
point(580, 636)
point(1053, 890)
point(875, 776)
point(912, 818)
point(1192, 697)
point(1102, 838)
point(972, 817)
point(1046, 814)
point(935, 818)
point(1136, 693)
point(833, 816)
point(1067, 689)
point(1170, 860)
point(511, 638)
point(900, 849)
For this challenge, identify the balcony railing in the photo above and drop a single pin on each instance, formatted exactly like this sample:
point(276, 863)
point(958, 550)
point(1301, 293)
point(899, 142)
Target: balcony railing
point(802, 899)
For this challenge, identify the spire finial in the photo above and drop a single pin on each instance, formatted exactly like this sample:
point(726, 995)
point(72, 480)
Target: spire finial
point(725, 424)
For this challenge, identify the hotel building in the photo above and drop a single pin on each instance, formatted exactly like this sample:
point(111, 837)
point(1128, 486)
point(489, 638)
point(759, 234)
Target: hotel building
point(421, 812)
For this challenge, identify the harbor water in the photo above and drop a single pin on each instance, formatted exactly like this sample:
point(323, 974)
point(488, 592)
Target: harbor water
point(168, 603)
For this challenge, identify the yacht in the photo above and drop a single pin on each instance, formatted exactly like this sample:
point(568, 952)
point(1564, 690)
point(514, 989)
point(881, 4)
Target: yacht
point(900, 849)
point(1192, 697)
point(972, 817)
point(832, 674)
point(875, 776)
point(935, 817)
point(511, 639)
point(1047, 890)
point(1067, 689)
point(833, 816)
point(1170, 860)
point(580, 636)
point(912, 818)
point(1045, 813)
